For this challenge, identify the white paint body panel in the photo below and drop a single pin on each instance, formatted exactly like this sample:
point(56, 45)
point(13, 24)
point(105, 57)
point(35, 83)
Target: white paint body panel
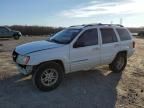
point(84, 58)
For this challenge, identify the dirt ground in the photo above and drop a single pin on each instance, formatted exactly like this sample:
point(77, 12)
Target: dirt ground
point(99, 88)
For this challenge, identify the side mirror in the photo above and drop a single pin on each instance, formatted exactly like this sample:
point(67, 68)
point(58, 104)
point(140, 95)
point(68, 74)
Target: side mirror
point(78, 44)
point(50, 35)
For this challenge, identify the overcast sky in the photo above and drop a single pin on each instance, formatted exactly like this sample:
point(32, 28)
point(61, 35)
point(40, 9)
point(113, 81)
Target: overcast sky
point(71, 12)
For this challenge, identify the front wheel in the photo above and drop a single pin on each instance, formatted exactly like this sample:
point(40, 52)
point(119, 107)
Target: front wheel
point(119, 63)
point(48, 76)
point(16, 37)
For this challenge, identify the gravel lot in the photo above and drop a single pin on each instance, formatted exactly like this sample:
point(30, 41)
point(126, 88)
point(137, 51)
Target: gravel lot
point(97, 88)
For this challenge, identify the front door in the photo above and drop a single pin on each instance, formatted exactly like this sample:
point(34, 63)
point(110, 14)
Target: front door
point(85, 52)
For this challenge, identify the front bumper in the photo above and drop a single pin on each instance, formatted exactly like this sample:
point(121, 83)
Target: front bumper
point(24, 70)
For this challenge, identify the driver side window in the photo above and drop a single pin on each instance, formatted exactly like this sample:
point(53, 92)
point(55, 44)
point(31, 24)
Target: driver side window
point(88, 38)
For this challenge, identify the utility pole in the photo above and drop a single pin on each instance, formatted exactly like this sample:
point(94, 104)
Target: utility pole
point(121, 21)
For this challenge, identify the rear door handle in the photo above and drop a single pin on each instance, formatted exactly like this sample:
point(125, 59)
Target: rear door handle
point(116, 45)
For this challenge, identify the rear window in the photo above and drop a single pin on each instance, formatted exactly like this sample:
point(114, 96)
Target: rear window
point(108, 35)
point(123, 34)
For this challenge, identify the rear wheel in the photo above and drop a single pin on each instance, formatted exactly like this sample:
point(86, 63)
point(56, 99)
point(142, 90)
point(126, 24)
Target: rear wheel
point(119, 63)
point(48, 76)
point(142, 34)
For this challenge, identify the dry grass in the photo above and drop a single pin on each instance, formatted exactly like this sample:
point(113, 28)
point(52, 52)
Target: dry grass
point(131, 86)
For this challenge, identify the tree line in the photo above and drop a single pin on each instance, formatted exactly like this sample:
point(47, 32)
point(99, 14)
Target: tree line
point(136, 29)
point(36, 30)
point(44, 30)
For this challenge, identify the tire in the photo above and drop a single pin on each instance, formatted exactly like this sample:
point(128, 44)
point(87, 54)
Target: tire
point(119, 63)
point(48, 76)
point(141, 34)
point(16, 37)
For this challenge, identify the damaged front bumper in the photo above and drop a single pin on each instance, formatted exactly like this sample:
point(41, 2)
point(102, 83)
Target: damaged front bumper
point(25, 70)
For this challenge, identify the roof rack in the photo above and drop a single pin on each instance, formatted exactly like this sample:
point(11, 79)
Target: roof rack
point(76, 25)
point(98, 24)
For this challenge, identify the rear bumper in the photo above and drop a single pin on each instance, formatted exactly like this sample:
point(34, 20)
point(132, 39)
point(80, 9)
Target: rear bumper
point(130, 52)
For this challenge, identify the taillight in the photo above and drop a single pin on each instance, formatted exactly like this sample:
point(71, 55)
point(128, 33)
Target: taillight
point(133, 44)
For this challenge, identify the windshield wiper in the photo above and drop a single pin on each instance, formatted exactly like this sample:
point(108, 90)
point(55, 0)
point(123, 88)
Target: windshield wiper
point(55, 41)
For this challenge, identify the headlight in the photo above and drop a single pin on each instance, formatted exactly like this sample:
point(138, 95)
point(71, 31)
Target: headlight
point(19, 33)
point(23, 59)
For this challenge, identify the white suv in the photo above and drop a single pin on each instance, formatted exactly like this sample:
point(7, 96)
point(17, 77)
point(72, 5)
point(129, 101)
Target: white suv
point(74, 49)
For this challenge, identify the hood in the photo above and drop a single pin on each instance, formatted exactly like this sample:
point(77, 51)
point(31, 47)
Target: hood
point(36, 46)
point(15, 31)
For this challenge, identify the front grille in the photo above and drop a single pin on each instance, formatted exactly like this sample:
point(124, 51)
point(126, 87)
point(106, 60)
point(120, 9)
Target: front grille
point(14, 55)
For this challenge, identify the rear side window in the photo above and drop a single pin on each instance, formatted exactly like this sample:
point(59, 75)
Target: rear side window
point(89, 37)
point(123, 34)
point(108, 35)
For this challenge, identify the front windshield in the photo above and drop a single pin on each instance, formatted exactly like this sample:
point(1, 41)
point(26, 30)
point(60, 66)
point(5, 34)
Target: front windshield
point(65, 36)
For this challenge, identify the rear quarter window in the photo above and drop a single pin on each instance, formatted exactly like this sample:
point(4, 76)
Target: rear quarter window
point(123, 34)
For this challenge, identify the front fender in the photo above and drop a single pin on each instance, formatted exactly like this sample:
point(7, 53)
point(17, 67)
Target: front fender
point(37, 58)
point(17, 34)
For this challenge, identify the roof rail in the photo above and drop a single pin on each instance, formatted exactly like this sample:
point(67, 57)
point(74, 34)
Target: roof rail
point(76, 25)
point(98, 24)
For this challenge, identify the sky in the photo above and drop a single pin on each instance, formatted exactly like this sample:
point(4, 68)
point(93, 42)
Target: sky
point(71, 12)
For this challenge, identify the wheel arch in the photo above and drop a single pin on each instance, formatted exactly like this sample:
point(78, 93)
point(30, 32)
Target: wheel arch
point(60, 62)
point(15, 34)
point(112, 65)
point(122, 52)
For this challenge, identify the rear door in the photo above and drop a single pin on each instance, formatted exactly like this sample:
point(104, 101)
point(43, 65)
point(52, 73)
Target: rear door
point(85, 51)
point(110, 44)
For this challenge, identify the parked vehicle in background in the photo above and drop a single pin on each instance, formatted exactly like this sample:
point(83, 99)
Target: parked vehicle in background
point(6, 32)
point(141, 33)
point(74, 49)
